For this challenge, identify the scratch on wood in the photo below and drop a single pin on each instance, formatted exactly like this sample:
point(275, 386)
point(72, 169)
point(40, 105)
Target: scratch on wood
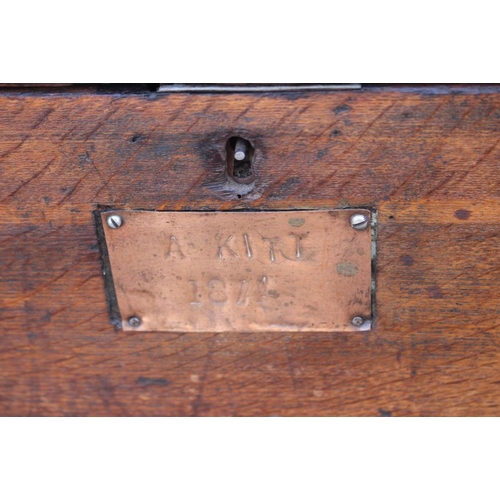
point(123, 165)
point(72, 190)
point(370, 125)
point(32, 178)
point(196, 404)
point(481, 159)
point(289, 363)
point(99, 125)
point(440, 145)
point(8, 152)
point(44, 116)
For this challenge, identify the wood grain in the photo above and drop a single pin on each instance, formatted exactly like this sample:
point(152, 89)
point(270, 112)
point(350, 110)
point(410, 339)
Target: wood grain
point(427, 158)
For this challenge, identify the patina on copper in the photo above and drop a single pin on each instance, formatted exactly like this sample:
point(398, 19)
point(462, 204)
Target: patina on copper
point(292, 271)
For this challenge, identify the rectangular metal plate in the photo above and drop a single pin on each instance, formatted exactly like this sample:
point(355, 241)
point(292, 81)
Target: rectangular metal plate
point(293, 271)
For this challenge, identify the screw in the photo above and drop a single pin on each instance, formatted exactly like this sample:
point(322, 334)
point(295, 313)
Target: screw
point(114, 221)
point(240, 150)
point(357, 321)
point(359, 221)
point(134, 322)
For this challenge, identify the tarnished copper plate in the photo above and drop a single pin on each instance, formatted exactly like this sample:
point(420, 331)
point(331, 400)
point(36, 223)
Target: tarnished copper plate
point(294, 271)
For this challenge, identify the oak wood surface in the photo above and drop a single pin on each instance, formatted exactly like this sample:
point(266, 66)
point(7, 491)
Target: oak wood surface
point(426, 158)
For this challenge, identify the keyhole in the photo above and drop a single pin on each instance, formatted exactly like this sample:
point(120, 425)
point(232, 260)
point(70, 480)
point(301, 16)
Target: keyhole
point(240, 155)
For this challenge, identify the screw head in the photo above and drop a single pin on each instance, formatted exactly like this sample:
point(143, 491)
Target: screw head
point(359, 221)
point(134, 322)
point(114, 221)
point(357, 321)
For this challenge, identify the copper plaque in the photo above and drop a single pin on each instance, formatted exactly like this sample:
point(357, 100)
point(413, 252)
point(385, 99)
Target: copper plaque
point(293, 271)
